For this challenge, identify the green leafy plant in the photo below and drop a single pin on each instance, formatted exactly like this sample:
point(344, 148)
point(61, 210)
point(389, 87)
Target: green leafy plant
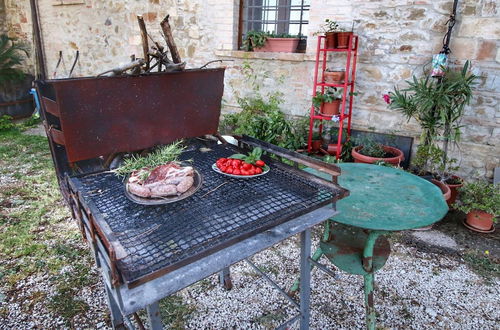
point(11, 56)
point(438, 105)
point(370, 147)
point(159, 156)
point(251, 158)
point(331, 94)
point(255, 39)
point(428, 159)
point(482, 196)
point(329, 26)
point(6, 123)
point(261, 116)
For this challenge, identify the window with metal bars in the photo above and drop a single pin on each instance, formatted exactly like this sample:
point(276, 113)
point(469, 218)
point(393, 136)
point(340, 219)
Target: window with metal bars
point(274, 16)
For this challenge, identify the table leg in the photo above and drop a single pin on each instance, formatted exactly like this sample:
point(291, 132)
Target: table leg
point(225, 278)
point(154, 316)
point(370, 316)
point(305, 277)
point(116, 314)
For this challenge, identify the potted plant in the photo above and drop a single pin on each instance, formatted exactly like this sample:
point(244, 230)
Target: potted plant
point(332, 76)
point(438, 105)
point(317, 140)
point(260, 41)
point(343, 39)
point(328, 102)
point(370, 152)
point(329, 29)
point(481, 202)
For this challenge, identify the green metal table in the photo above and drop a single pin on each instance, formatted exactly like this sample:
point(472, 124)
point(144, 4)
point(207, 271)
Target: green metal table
point(382, 200)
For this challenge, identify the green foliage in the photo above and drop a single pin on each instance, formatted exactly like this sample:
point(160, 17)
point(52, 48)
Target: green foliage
point(6, 123)
point(329, 26)
point(261, 116)
point(482, 196)
point(160, 156)
point(429, 159)
point(331, 94)
point(251, 158)
point(257, 39)
point(370, 147)
point(11, 55)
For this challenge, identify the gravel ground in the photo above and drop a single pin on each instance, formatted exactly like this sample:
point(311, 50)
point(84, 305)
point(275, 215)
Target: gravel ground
point(414, 290)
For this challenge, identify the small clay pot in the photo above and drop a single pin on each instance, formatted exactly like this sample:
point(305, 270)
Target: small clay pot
point(444, 189)
point(360, 158)
point(343, 39)
point(330, 40)
point(330, 109)
point(316, 145)
point(334, 77)
point(454, 189)
point(479, 220)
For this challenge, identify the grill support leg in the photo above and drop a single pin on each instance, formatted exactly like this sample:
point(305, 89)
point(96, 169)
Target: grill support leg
point(305, 277)
point(154, 317)
point(225, 278)
point(116, 314)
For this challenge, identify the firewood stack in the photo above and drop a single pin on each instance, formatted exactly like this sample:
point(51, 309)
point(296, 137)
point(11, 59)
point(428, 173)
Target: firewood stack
point(155, 57)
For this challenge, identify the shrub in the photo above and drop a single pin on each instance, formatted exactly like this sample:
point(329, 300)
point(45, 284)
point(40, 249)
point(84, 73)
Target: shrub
point(482, 196)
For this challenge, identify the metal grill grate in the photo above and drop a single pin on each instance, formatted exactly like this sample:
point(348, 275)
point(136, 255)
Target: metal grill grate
point(159, 237)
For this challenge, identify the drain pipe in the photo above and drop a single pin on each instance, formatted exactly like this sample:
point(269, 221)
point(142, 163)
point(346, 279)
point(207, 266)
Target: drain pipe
point(37, 36)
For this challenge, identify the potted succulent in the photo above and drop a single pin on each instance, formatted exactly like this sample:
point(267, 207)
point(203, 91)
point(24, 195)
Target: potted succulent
point(481, 202)
point(260, 41)
point(370, 152)
point(328, 102)
point(332, 76)
point(438, 105)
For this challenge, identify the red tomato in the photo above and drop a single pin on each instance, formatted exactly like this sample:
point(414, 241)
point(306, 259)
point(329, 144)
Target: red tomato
point(236, 172)
point(258, 170)
point(251, 172)
point(247, 166)
point(260, 163)
point(243, 172)
point(229, 170)
point(223, 168)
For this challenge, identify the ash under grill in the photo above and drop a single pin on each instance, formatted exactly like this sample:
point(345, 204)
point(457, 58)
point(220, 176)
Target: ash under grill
point(159, 238)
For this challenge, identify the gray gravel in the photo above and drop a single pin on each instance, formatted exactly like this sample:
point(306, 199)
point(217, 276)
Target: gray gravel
point(414, 290)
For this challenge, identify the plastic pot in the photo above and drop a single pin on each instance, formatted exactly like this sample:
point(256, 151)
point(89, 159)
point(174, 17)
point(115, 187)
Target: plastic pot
point(330, 109)
point(360, 158)
point(479, 221)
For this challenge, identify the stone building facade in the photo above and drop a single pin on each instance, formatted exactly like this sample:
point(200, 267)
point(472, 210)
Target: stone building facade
point(397, 39)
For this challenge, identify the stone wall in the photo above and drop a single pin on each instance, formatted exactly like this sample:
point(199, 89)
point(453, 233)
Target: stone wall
point(397, 39)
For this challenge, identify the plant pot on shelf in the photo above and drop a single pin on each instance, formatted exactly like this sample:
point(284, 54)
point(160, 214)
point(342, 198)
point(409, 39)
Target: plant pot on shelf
point(397, 157)
point(334, 77)
point(330, 108)
point(330, 40)
point(316, 145)
point(279, 45)
point(343, 39)
point(457, 182)
point(479, 221)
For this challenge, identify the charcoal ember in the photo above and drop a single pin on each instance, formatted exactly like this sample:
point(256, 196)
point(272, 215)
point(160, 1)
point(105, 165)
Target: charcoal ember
point(139, 190)
point(186, 183)
point(163, 189)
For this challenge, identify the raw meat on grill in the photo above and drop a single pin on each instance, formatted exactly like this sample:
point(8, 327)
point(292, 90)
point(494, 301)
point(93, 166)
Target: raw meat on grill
point(165, 180)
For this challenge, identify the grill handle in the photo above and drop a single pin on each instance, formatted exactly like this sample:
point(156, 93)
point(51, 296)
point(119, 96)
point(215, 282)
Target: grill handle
point(330, 169)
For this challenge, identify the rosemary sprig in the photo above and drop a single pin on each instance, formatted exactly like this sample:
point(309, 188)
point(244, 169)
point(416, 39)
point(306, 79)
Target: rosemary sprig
point(160, 156)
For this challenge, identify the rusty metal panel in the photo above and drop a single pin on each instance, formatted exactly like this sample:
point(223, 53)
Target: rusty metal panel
point(102, 116)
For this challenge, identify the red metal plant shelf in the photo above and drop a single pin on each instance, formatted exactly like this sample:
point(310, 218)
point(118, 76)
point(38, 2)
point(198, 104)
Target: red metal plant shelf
point(348, 88)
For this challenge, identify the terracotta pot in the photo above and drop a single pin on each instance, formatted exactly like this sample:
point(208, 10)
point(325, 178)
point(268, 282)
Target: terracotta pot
point(334, 77)
point(343, 39)
point(330, 40)
point(330, 109)
point(454, 189)
point(279, 45)
point(479, 220)
point(316, 145)
point(444, 189)
point(359, 158)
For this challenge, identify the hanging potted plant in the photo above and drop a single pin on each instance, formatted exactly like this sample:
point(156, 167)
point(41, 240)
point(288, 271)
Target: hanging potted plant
point(438, 105)
point(260, 41)
point(328, 102)
point(370, 152)
point(332, 76)
point(481, 202)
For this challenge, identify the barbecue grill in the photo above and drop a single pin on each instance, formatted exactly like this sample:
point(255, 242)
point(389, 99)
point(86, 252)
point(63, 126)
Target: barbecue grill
point(148, 252)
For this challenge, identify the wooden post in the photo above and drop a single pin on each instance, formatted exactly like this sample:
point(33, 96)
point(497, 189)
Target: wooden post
point(144, 37)
point(167, 34)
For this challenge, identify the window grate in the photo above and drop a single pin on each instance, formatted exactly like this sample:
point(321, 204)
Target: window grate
point(276, 16)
